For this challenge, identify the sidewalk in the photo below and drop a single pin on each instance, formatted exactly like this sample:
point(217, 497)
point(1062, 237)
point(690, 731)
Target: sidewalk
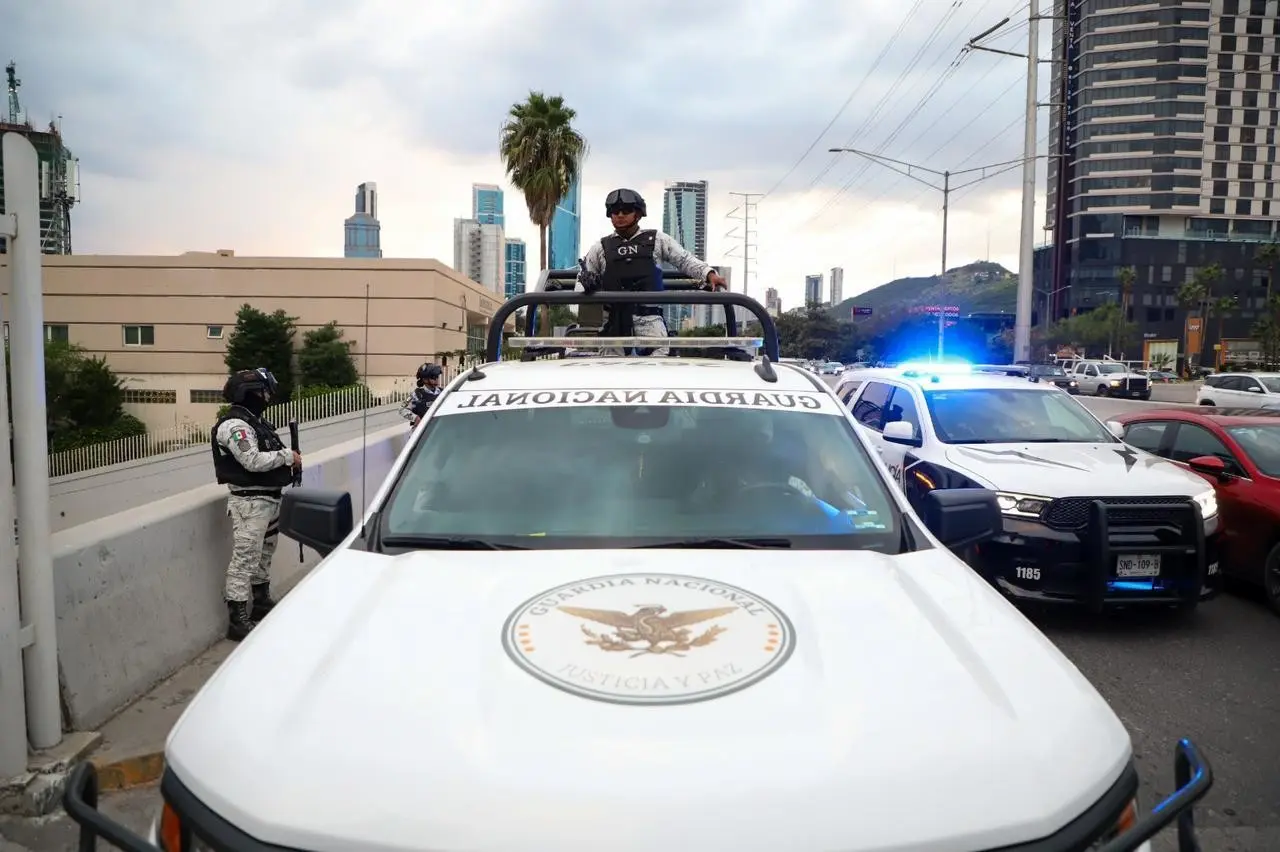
point(128, 753)
point(132, 750)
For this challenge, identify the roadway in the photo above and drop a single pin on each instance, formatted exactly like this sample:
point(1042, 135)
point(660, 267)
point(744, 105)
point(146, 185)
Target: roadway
point(1213, 677)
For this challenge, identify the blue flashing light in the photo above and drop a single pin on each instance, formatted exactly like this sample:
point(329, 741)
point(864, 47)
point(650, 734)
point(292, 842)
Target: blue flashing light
point(936, 368)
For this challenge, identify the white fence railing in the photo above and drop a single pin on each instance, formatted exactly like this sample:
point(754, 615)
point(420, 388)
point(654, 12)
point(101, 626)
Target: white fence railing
point(192, 434)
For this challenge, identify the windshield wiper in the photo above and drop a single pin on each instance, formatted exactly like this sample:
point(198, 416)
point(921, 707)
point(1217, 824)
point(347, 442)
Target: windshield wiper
point(724, 543)
point(446, 542)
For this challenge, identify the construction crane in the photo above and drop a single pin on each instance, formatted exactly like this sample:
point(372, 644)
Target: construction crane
point(59, 171)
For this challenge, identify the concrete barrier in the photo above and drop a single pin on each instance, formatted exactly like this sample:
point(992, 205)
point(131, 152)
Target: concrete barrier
point(139, 593)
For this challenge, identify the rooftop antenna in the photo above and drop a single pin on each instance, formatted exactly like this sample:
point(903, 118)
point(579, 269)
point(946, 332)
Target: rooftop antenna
point(15, 108)
point(364, 424)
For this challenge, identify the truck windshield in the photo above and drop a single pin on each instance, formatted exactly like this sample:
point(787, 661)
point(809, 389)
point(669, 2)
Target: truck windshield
point(1012, 416)
point(605, 476)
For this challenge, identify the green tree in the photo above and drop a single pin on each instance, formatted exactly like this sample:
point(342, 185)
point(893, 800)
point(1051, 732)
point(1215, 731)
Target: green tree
point(325, 359)
point(263, 340)
point(543, 154)
point(1267, 330)
point(84, 399)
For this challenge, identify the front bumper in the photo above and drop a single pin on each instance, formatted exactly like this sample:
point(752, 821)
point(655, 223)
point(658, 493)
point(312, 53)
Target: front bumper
point(1193, 777)
point(1080, 564)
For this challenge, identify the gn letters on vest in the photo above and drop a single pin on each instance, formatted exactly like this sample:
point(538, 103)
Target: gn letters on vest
point(629, 264)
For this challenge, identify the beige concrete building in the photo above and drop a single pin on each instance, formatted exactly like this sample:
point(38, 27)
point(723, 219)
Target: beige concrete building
point(162, 322)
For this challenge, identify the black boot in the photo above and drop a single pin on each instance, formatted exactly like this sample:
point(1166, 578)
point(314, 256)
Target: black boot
point(239, 620)
point(262, 602)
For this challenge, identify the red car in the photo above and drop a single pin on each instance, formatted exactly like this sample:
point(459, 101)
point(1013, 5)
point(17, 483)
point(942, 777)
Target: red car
point(1238, 450)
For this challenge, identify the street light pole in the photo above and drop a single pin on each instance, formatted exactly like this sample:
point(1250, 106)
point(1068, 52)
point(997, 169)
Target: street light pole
point(905, 169)
point(942, 314)
point(1026, 248)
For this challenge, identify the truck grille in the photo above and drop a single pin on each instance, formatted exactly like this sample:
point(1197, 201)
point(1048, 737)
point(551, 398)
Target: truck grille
point(1137, 384)
point(1072, 513)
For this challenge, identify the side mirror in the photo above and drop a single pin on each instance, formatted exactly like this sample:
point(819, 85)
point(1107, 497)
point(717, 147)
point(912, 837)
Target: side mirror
point(960, 517)
point(901, 432)
point(1254, 389)
point(1116, 428)
point(317, 517)
point(1209, 466)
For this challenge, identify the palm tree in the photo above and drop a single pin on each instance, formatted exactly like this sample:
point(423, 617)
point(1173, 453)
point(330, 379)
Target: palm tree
point(542, 153)
point(1221, 306)
point(1268, 256)
point(1197, 294)
point(1127, 276)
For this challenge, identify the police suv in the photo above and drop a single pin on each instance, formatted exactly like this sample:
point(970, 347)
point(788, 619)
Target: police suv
point(637, 604)
point(1087, 518)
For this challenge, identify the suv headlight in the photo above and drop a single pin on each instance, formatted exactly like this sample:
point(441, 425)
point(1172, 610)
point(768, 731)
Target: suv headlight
point(1208, 503)
point(1021, 505)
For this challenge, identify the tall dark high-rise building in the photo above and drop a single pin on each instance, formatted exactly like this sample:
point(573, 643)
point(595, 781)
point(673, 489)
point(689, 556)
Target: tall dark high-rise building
point(1164, 151)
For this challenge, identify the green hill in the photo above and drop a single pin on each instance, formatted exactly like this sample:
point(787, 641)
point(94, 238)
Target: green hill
point(975, 288)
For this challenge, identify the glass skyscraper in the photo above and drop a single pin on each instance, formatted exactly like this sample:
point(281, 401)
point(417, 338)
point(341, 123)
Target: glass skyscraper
point(363, 231)
point(515, 282)
point(812, 290)
point(684, 215)
point(564, 237)
point(486, 204)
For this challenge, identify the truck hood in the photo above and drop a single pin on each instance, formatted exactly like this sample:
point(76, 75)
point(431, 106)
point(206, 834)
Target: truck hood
point(1073, 470)
point(511, 700)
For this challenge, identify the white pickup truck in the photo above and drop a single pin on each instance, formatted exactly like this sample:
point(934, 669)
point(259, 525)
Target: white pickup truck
point(1110, 378)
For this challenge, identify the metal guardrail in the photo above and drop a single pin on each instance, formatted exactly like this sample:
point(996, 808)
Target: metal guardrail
point(558, 287)
point(191, 434)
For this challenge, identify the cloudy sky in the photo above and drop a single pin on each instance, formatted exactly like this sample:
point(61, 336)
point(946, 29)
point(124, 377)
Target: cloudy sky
point(248, 125)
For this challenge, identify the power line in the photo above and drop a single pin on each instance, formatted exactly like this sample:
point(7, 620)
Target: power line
point(948, 74)
point(858, 88)
point(888, 96)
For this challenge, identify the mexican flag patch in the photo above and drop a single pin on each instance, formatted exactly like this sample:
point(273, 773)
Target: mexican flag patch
point(239, 435)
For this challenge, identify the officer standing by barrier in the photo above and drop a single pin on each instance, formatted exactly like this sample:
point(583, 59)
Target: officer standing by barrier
point(416, 406)
point(251, 460)
point(628, 259)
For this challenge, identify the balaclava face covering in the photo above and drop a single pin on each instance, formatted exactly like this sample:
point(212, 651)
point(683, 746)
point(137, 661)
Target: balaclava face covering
point(255, 403)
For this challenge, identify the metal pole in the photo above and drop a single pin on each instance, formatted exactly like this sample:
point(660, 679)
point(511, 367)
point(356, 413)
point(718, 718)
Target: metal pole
point(13, 710)
point(1026, 252)
point(31, 445)
point(942, 312)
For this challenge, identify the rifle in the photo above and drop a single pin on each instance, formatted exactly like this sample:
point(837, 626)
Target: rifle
point(297, 471)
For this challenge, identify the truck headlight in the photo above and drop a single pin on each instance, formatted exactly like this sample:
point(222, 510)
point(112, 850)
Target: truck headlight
point(1021, 505)
point(1208, 503)
point(1128, 818)
point(1115, 383)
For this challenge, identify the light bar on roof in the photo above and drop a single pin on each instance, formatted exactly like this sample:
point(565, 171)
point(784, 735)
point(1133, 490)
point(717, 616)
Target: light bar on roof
point(634, 342)
point(935, 368)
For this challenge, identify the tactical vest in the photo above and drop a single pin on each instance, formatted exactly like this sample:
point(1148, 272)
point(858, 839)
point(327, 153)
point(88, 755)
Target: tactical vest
point(421, 400)
point(231, 472)
point(629, 264)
